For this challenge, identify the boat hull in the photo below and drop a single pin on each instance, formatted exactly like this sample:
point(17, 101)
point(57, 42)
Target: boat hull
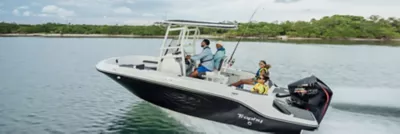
point(204, 106)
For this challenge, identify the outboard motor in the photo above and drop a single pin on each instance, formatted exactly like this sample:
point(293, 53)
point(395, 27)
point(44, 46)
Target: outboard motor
point(311, 94)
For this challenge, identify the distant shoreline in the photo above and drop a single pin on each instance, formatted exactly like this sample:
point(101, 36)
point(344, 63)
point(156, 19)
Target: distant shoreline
point(162, 36)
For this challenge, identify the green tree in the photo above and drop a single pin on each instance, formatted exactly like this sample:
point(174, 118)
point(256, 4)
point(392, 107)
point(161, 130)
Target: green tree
point(329, 27)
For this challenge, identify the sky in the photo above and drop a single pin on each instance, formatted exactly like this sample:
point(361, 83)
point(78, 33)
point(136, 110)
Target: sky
point(144, 12)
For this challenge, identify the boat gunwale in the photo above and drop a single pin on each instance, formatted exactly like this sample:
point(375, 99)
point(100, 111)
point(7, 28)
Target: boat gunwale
point(99, 65)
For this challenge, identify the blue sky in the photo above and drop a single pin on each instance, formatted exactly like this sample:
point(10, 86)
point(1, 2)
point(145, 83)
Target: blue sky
point(149, 11)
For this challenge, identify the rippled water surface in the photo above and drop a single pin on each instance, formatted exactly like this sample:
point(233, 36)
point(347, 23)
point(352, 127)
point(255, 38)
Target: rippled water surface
point(50, 85)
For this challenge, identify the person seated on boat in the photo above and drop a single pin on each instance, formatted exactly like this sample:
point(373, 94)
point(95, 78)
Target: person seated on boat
point(206, 60)
point(260, 87)
point(264, 68)
point(218, 55)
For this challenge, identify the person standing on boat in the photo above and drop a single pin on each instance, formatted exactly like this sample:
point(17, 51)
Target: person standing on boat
point(206, 60)
point(218, 55)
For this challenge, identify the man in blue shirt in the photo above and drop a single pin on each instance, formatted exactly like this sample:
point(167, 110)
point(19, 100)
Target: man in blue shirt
point(218, 55)
point(206, 60)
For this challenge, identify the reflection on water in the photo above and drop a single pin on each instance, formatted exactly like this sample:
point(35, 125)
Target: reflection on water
point(50, 85)
point(143, 118)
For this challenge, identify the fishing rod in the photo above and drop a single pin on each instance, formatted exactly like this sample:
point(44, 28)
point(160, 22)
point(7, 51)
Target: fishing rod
point(241, 37)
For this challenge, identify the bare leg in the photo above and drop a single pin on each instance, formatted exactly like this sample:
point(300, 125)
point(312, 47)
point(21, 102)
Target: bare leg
point(243, 81)
point(194, 74)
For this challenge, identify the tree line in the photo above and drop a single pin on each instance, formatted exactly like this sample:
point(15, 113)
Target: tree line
point(329, 27)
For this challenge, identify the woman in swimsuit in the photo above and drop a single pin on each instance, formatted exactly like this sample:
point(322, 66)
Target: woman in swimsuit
point(251, 81)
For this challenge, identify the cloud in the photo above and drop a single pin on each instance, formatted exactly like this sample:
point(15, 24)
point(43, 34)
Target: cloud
point(87, 3)
point(22, 11)
point(148, 15)
point(286, 1)
point(61, 12)
point(74, 3)
point(35, 4)
point(137, 22)
point(122, 10)
point(23, 7)
point(27, 13)
point(15, 12)
point(1, 10)
point(43, 15)
point(130, 1)
point(117, 1)
point(143, 11)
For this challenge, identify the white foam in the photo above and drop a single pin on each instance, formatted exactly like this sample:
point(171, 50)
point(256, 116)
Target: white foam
point(205, 126)
point(375, 96)
point(342, 122)
point(335, 121)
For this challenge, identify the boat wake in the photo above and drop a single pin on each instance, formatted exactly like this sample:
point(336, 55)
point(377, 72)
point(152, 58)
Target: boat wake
point(372, 101)
point(371, 96)
point(369, 109)
point(345, 115)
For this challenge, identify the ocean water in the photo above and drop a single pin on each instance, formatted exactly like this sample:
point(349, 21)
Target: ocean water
point(50, 85)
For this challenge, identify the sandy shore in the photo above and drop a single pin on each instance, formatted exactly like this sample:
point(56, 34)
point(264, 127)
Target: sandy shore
point(173, 36)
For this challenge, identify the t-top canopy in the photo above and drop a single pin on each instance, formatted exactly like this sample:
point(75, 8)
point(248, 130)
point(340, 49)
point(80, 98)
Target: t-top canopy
point(200, 24)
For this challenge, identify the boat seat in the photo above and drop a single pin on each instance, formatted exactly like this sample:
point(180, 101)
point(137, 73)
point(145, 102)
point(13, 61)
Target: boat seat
point(169, 64)
point(215, 75)
point(221, 63)
point(249, 90)
point(249, 87)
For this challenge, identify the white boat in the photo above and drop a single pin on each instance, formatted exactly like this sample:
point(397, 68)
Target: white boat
point(163, 81)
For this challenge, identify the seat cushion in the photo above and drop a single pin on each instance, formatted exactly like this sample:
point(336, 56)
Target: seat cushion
point(247, 87)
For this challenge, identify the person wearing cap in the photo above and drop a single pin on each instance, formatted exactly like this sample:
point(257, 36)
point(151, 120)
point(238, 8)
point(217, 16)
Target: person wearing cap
point(218, 55)
point(206, 60)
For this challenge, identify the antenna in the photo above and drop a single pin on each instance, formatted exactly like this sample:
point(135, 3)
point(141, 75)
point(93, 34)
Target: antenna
point(166, 15)
point(241, 37)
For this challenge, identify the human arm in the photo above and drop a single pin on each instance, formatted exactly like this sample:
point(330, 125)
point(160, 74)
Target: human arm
point(200, 55)
point(254, 89)
point(266, 88)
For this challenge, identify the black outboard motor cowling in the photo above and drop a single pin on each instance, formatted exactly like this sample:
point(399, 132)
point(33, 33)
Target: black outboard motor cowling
point(311, 94)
